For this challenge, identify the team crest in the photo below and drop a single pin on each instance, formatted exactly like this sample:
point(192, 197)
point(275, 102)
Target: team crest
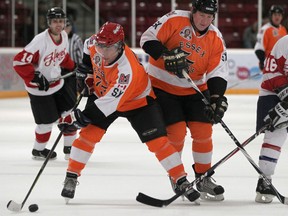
point(97, 59)
point(124, 79)
point(186, 33)
point(275, 33)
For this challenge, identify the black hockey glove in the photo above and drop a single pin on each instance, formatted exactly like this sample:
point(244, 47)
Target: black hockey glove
point(278, 116)
point(175, 61)
point(41, 81)
point(215, 111)
point(85, 80)
point(72, 122)
point(282, 93)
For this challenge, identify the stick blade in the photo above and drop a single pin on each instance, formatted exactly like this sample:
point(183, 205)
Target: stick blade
point(147, 200)
point(13, 206)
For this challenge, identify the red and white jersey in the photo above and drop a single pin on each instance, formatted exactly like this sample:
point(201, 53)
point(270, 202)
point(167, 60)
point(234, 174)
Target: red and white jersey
point(275, 72)
point(268, 36)
point(44, 55)
point(207, 55)
point(121, 86)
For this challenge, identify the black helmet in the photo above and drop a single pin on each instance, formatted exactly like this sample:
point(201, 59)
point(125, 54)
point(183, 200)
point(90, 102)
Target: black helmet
point(205, 6)
point(276, 9)
point(55, 12)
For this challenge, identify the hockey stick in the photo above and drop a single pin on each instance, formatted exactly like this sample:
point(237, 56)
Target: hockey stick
point(63, 76)
point(16, 207)
point(243, 81)
point(282, 199)
point(145, 199)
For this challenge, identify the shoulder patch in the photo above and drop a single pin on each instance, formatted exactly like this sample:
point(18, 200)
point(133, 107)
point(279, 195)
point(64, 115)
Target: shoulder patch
point(186, 33)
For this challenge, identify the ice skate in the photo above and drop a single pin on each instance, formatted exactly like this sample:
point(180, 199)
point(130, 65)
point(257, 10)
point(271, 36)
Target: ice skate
point(40, 155)
point(208, 189)
point(175, 188)
point(70, 184)
point(183, 184)
point(66, 151)
point(264, 194)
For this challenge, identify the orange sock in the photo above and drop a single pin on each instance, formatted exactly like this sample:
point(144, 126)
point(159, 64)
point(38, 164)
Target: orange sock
point(167, 156)
point(201, 145)
point(83, 147)
point(176, 135)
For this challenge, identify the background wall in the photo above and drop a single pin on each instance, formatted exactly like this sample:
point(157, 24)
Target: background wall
point(243, 72)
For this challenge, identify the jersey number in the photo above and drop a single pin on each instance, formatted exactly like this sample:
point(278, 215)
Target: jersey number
point(27, 58)
point(270, 64)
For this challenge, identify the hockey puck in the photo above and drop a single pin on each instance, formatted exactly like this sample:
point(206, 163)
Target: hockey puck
point(33, 208)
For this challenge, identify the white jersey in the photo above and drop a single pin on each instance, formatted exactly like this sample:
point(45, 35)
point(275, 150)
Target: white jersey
point(275, 74)
point(44, 55)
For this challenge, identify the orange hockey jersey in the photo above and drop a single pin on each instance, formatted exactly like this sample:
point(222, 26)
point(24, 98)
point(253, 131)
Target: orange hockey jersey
point(121, 86)
point(207, 55)
point(268, 36)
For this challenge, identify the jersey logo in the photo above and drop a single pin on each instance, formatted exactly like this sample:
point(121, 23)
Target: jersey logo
point(124, 79)
point(54, 56)
point(91, 41)
point(186, 33)
point(275, 33)
point(171, 13)
point(97, 59)
point(156, 24)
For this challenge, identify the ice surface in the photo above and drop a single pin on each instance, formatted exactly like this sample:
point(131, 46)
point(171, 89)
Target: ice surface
point(122, 166)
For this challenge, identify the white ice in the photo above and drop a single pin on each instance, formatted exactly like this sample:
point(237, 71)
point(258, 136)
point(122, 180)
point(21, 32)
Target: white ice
point(122, 166)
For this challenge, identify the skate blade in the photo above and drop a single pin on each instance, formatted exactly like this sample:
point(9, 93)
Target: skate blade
point(197, 202)
point(210, 197)
point(67, 201)
point(39, 158)
point(67, 156)
point(264, 198)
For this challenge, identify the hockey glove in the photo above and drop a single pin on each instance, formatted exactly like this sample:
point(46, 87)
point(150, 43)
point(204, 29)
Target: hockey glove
point(278, 116)
point(215, 111)
point(41, 81)
point(282, 93)
point(72, 122)
point(85, 80)
point(175, 61)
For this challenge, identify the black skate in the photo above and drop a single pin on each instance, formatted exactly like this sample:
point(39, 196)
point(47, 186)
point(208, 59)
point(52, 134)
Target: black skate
point(40, 155)
point(70, 184)
point(67, 150)
point(190, 193)
point(264, 194)
point(208, 189)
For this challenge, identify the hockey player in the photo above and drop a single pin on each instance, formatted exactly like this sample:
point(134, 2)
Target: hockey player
point(117, 85)
point(38, 64)
point(272, 106)
point(269, 34)
point(201, 53)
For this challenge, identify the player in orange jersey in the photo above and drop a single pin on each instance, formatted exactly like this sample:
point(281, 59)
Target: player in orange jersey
point(120, 87)
point(269, 34)
point(202, 53)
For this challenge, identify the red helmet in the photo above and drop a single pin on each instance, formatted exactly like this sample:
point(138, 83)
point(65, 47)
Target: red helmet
point(109, 34)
